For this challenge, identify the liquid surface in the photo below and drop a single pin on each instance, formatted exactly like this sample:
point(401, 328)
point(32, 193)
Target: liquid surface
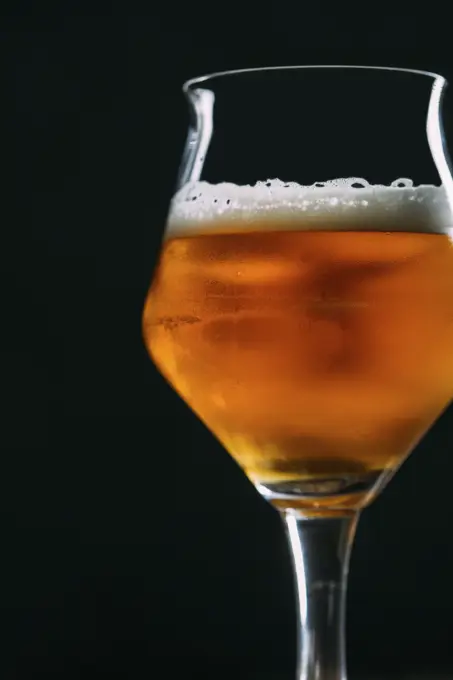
point(312, 355)
point(337, 204)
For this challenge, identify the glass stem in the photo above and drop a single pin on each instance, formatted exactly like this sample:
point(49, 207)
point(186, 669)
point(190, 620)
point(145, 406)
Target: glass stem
point(320, 548)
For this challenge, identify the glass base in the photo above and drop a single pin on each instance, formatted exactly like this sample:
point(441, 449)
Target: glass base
point(352, 491)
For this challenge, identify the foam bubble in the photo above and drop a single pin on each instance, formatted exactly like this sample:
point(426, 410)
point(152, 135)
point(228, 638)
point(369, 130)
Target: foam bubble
point(335, 204)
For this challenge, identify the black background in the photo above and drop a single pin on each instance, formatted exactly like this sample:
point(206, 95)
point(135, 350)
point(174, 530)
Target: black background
point(131, 545)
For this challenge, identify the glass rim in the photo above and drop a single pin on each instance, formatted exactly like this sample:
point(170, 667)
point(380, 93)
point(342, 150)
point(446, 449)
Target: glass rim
point(188, 84)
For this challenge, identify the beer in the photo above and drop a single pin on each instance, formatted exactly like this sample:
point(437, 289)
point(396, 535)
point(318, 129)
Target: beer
point(318, 352)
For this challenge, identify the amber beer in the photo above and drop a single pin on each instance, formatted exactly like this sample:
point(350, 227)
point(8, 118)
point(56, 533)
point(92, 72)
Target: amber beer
point(318, 357)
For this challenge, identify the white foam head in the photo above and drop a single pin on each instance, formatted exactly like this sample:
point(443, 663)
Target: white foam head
point(337, 204)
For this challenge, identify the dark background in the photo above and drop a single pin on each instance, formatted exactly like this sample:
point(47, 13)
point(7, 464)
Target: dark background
point(131, 545)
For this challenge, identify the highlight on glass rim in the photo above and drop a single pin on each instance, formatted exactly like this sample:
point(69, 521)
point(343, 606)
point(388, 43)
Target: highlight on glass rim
point(309, 325)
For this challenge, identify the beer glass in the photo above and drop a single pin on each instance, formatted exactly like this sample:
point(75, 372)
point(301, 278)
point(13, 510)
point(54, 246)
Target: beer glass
point(303, 299)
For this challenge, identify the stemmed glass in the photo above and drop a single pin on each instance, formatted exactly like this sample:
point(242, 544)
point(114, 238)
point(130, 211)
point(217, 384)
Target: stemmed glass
point(303, 299)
